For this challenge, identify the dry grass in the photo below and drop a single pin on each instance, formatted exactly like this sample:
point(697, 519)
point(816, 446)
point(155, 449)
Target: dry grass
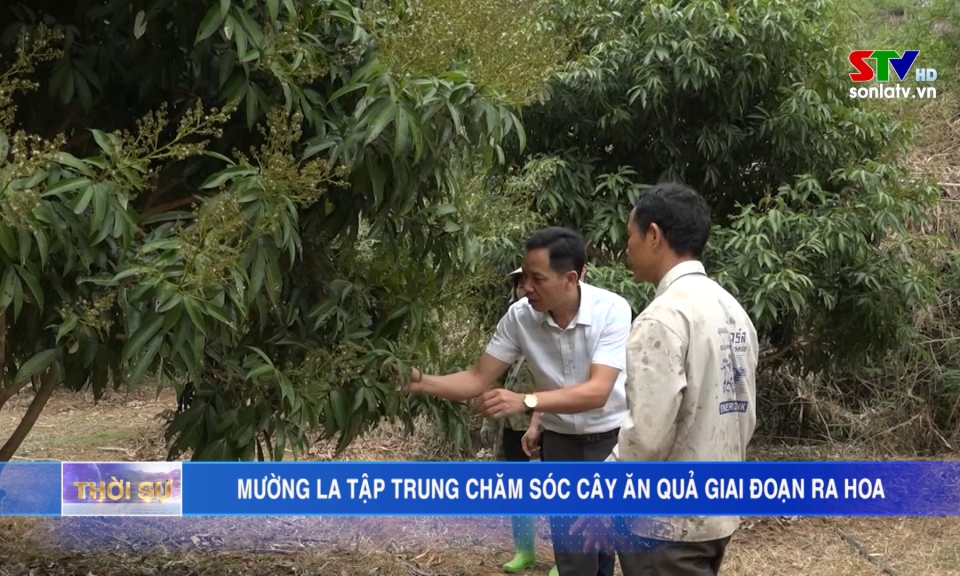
point(936, 153)
point(73, 427)
point(124, 427)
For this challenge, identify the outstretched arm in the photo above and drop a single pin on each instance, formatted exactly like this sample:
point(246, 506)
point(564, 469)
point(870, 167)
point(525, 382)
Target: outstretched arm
point(462, 385)
point(502, 351)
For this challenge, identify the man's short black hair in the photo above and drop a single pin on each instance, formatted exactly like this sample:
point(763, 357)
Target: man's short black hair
point(680, 212)
point(566, 248)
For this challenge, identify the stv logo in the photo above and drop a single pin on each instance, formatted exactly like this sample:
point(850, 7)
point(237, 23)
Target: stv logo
point(885, 59)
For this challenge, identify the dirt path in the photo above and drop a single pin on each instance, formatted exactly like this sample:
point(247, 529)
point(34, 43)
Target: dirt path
point(125, 427)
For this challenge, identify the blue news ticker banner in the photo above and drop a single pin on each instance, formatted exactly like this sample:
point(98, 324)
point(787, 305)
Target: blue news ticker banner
point(30, 489)
point(480, 489)
point(573, 489)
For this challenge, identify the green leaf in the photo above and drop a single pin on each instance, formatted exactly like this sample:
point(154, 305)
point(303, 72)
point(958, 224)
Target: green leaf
point(105, 142)
point(239, 36)
point(227, 420)
point(99, 208)
point(194, 312)
point(286, 390)
point(230, 173)
point(273, 6)
point(218, 156)
point(140, 368)
point(66, 327)
point(250, 27)
point(209, 24)
point(129, 272)
point(291, 10)
point(72, 161)
point(383, 118)
point(7, 287)
point(146, 331)
point(162, 244)
point(261, 354)
point(224, 8)
point(236, 87)
point(36, 364)
point(257, 272)
point(346, 90)
point(339, 409)
point(218, 313)
point(401, 141)
point(26, 246)
point(521, 131)
point(172, 300)
point(66, 185)
point(33, 285)
point(450, 226)
point(243, 436)
point(274, 280)
point(67, 87)
point(8, 241)
point(43, 245)
point(258, 371)
point(84, 200)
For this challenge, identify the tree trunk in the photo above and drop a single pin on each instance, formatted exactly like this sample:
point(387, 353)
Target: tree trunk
point(48, 383)
point(3, 343)
point(6, 393)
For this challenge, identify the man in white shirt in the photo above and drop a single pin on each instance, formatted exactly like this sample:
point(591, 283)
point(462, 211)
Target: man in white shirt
point(691, 387)
point(573, 338)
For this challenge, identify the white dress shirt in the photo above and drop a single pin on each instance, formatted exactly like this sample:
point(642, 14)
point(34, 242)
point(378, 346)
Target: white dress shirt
point(560, 358)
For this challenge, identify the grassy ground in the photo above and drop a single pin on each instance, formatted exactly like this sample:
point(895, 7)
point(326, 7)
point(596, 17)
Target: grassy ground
point(125, 427)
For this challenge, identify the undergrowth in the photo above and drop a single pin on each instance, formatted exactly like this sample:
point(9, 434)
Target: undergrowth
point(908, 400)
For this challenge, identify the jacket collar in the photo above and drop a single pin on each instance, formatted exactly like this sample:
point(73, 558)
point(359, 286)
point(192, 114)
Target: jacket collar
point(681, 269)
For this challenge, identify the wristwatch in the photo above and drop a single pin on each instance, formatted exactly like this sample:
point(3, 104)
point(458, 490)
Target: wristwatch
point(530, 401)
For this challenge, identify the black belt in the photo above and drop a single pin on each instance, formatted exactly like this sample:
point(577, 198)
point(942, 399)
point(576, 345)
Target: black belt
point(596, 437)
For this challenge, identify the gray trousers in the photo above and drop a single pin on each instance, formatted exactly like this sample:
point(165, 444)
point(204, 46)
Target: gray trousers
point(567, 448)
point(677, 558)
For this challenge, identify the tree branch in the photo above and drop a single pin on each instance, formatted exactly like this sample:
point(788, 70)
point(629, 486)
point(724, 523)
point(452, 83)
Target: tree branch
point(3, 345)
point(166, 207)
point(770, 356)
point(266, 441)
point(6, 393)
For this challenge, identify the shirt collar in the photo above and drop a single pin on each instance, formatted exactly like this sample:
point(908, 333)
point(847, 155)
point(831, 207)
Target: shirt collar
point(584, 314)
point(681, 269)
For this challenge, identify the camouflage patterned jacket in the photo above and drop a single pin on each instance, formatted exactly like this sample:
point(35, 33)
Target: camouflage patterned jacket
point(520, 380)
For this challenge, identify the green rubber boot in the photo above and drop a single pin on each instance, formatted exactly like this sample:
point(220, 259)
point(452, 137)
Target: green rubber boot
point(524, 529)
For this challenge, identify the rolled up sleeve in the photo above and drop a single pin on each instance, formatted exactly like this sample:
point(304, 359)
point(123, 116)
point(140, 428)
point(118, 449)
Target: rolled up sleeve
point(655, 381)
point(611, 348)
point(505, 343)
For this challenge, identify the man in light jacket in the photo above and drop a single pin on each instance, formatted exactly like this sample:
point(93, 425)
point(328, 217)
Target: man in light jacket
point(691, 390)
